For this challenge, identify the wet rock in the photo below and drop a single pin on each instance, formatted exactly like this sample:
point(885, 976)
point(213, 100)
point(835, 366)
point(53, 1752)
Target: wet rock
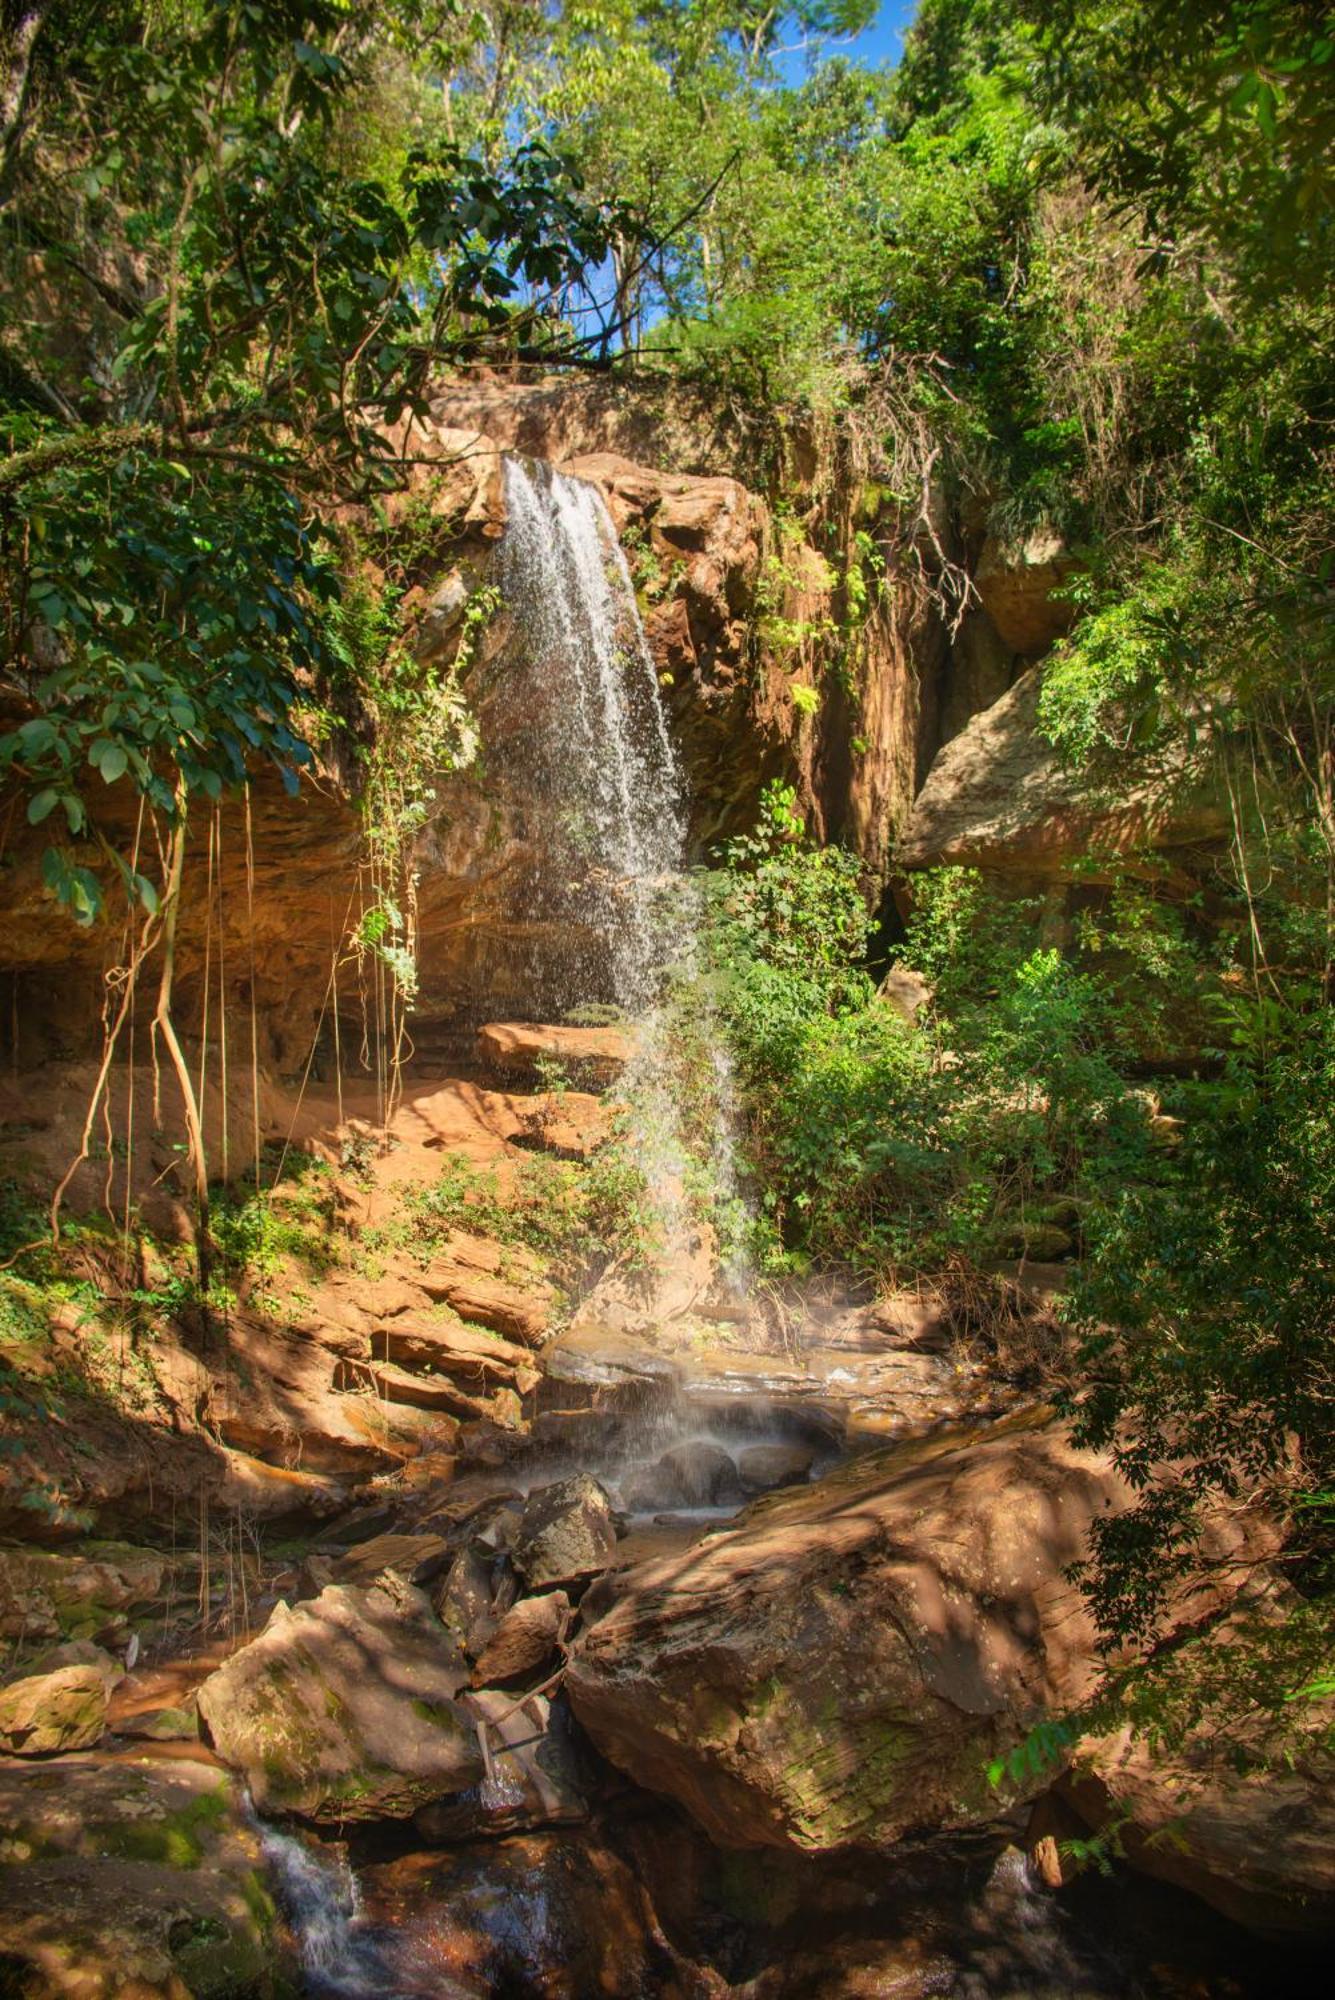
point(501, 1526)
point(44, 1713)
point(704, 1474)
point(417, 1558)
point(533, 1772)
point(343, 1709)
point(525, 1642)
point(694, 1474)
point(121, 1879)
point(839, 1669)
point(590, 1055)
point(538, 1915)
point(763, 1466)
point(566, 1534)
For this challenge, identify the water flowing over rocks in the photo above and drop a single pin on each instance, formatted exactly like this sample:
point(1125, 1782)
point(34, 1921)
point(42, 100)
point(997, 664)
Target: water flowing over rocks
point(470, 1624)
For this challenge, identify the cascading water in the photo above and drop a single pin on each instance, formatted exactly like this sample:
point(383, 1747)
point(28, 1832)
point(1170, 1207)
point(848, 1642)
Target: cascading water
point(321, 1901)
point(599, 758)
point(607, 881)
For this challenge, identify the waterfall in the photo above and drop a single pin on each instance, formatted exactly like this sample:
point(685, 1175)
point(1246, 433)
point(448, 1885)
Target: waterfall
point(606, 885)
point(594, 741)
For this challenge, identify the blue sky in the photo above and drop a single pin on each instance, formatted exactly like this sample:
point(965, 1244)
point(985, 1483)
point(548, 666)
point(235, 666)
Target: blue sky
point(883, 41)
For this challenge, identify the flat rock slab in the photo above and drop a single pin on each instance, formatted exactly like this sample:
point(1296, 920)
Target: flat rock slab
point(344, 1708)
point(417, 1558)
point(590, 1055)
point(131, 1877)
point(493, 1285)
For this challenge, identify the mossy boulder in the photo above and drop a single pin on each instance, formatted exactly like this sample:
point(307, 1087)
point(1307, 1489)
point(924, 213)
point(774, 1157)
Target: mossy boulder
point(838, 1670)
point(45, 1713)
point(142, 1878)
point(53, 1594)
point(344, 1708)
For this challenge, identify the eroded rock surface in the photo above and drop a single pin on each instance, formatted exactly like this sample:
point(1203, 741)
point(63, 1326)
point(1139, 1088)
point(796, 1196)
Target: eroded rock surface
point(344, 1707)
point(839, 1669)
point(138, 1878)
point(566, 1534)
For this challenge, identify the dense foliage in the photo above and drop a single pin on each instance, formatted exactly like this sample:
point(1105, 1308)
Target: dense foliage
point(220, 291)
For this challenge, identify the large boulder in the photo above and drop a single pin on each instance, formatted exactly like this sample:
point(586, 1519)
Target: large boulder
point(566, 1533)
point(1020, 589)
point(1258, 1845)
point(839, 1670)
point(344, 1708)
point(62, 1710)
point(121, 1878)
point(763, 1466)
point(693, 1474)
point(997, 797)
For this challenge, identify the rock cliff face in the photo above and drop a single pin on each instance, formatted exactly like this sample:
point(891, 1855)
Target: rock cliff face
point(743, 616)
point(775, 662)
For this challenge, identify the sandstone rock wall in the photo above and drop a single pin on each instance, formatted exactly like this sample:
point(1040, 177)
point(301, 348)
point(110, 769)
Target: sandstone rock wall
point(767, 673)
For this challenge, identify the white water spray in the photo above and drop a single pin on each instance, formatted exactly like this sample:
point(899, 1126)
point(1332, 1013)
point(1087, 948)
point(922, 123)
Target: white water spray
point(605, 786)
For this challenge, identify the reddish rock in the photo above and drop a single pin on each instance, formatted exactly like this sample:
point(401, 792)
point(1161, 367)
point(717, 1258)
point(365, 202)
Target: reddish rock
point(520, 1047)
point(1019, 590)
point(492, 1285)
point(525, 1642)
point(839, 1669)
point(343, 1709)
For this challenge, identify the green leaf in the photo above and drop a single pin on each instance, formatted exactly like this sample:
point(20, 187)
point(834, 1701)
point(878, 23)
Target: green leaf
point(37, 737)
point(42, 804)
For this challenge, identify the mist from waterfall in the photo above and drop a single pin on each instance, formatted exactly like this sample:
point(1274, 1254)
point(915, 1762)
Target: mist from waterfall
point(609, 838)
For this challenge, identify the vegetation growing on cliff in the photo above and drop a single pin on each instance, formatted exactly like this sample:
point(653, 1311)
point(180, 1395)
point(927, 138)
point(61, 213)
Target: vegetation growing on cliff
point(1067, 269)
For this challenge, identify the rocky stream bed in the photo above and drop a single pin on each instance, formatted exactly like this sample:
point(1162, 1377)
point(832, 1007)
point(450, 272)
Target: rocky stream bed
point(689, 1688)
